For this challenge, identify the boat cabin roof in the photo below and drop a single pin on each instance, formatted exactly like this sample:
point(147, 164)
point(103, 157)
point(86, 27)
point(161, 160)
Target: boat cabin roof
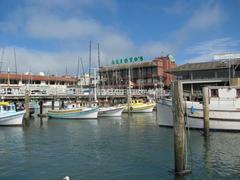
point(137, 101)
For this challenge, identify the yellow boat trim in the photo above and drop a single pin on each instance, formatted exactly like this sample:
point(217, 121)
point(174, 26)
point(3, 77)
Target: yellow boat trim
point(4, 103)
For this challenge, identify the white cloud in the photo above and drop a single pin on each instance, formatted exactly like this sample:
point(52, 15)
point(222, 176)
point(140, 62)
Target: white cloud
point(48, 26)
point(156, 48)
point(205, 50)
point(70, 32)
point(178, 7)
point(209, 15)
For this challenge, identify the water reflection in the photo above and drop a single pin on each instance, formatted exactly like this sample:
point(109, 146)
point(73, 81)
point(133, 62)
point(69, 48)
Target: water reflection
point(127, 147)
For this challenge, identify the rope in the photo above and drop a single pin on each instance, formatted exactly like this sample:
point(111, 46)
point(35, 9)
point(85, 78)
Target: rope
point(188, 140)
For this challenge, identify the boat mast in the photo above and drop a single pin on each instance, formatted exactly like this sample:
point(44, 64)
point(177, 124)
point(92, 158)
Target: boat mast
point(83, 72)
point(8, 71)
point(95, 85)
point(89, 71)
point(77, 76)
point(129, 89)
point(15, 60)
point(77, 68)
point(99, 64)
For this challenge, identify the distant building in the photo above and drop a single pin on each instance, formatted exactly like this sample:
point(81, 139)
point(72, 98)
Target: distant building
point(223, 70)
point(16, 84)
point(143, 74)
point(20, 79)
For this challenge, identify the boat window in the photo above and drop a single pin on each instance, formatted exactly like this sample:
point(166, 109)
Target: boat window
point(214, 92)
point(238, 93)
point(6, 108)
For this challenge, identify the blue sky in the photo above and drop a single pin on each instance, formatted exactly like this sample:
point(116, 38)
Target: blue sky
point(49, 35)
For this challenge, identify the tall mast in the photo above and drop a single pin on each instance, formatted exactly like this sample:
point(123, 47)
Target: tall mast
point(99, 64)
point(83, 72)
point(129, 89)
point(77, 68)
point(89, 71)
point(95, 85)
point(66, 71)
point(1, 61)
point(15, 60)
point(8, 71)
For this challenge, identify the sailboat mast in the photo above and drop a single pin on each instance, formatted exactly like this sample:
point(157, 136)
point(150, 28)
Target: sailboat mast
point(15, 60)
point(129, 89)
point(77, 69)
point(89, 71)
point(83, 72)
point(99, 64)
point(129, 83)
point(95, 85)
point(1, 62)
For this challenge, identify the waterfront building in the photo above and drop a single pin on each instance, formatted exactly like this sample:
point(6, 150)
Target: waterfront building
point(144, 74)
point(223, 70)
point(37, 84)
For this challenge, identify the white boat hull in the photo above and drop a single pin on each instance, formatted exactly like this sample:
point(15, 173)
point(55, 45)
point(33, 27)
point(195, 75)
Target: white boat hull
point(86, 113)
point(12, 119)
point(110, 112)
point(219, 120)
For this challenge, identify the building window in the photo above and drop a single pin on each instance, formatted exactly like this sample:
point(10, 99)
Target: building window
point(214, 92)
point(238, 93)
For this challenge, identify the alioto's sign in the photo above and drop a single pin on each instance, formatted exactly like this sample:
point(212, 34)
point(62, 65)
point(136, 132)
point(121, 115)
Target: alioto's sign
point(127, 60)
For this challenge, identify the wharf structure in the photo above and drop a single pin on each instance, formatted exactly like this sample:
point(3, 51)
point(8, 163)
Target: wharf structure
point(110, 82)
point(223, 70)
point(14, 86)
point(144, 74)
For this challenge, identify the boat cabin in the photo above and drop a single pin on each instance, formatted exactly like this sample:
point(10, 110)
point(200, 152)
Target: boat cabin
point(137, 101)
point(224, 94)
point(7, 107)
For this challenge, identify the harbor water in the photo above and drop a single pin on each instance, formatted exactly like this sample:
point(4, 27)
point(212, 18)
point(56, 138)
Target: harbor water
point(131, 147)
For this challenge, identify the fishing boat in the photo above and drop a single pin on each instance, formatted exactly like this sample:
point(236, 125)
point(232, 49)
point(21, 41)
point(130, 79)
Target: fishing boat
point(73, 112)
point(224, 110)
point(110, 111)
point(9, 116)
point(139, 106)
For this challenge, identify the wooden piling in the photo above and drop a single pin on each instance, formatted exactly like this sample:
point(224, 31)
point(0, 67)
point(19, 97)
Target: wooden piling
point(53, 102)
point(26, 106)
point(206, 111)
point(41, 107)
point(179, 128)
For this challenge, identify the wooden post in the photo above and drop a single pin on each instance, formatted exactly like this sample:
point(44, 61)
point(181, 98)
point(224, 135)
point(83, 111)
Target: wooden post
point(53, 102)
point(41, 107)
point(205, 111)
point(26, 106)
point(179, 128)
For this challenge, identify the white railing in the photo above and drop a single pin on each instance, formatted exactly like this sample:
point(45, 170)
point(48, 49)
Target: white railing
point(36, 90)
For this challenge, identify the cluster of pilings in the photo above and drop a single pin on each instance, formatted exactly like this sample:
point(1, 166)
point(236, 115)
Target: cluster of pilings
point(180, 124)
